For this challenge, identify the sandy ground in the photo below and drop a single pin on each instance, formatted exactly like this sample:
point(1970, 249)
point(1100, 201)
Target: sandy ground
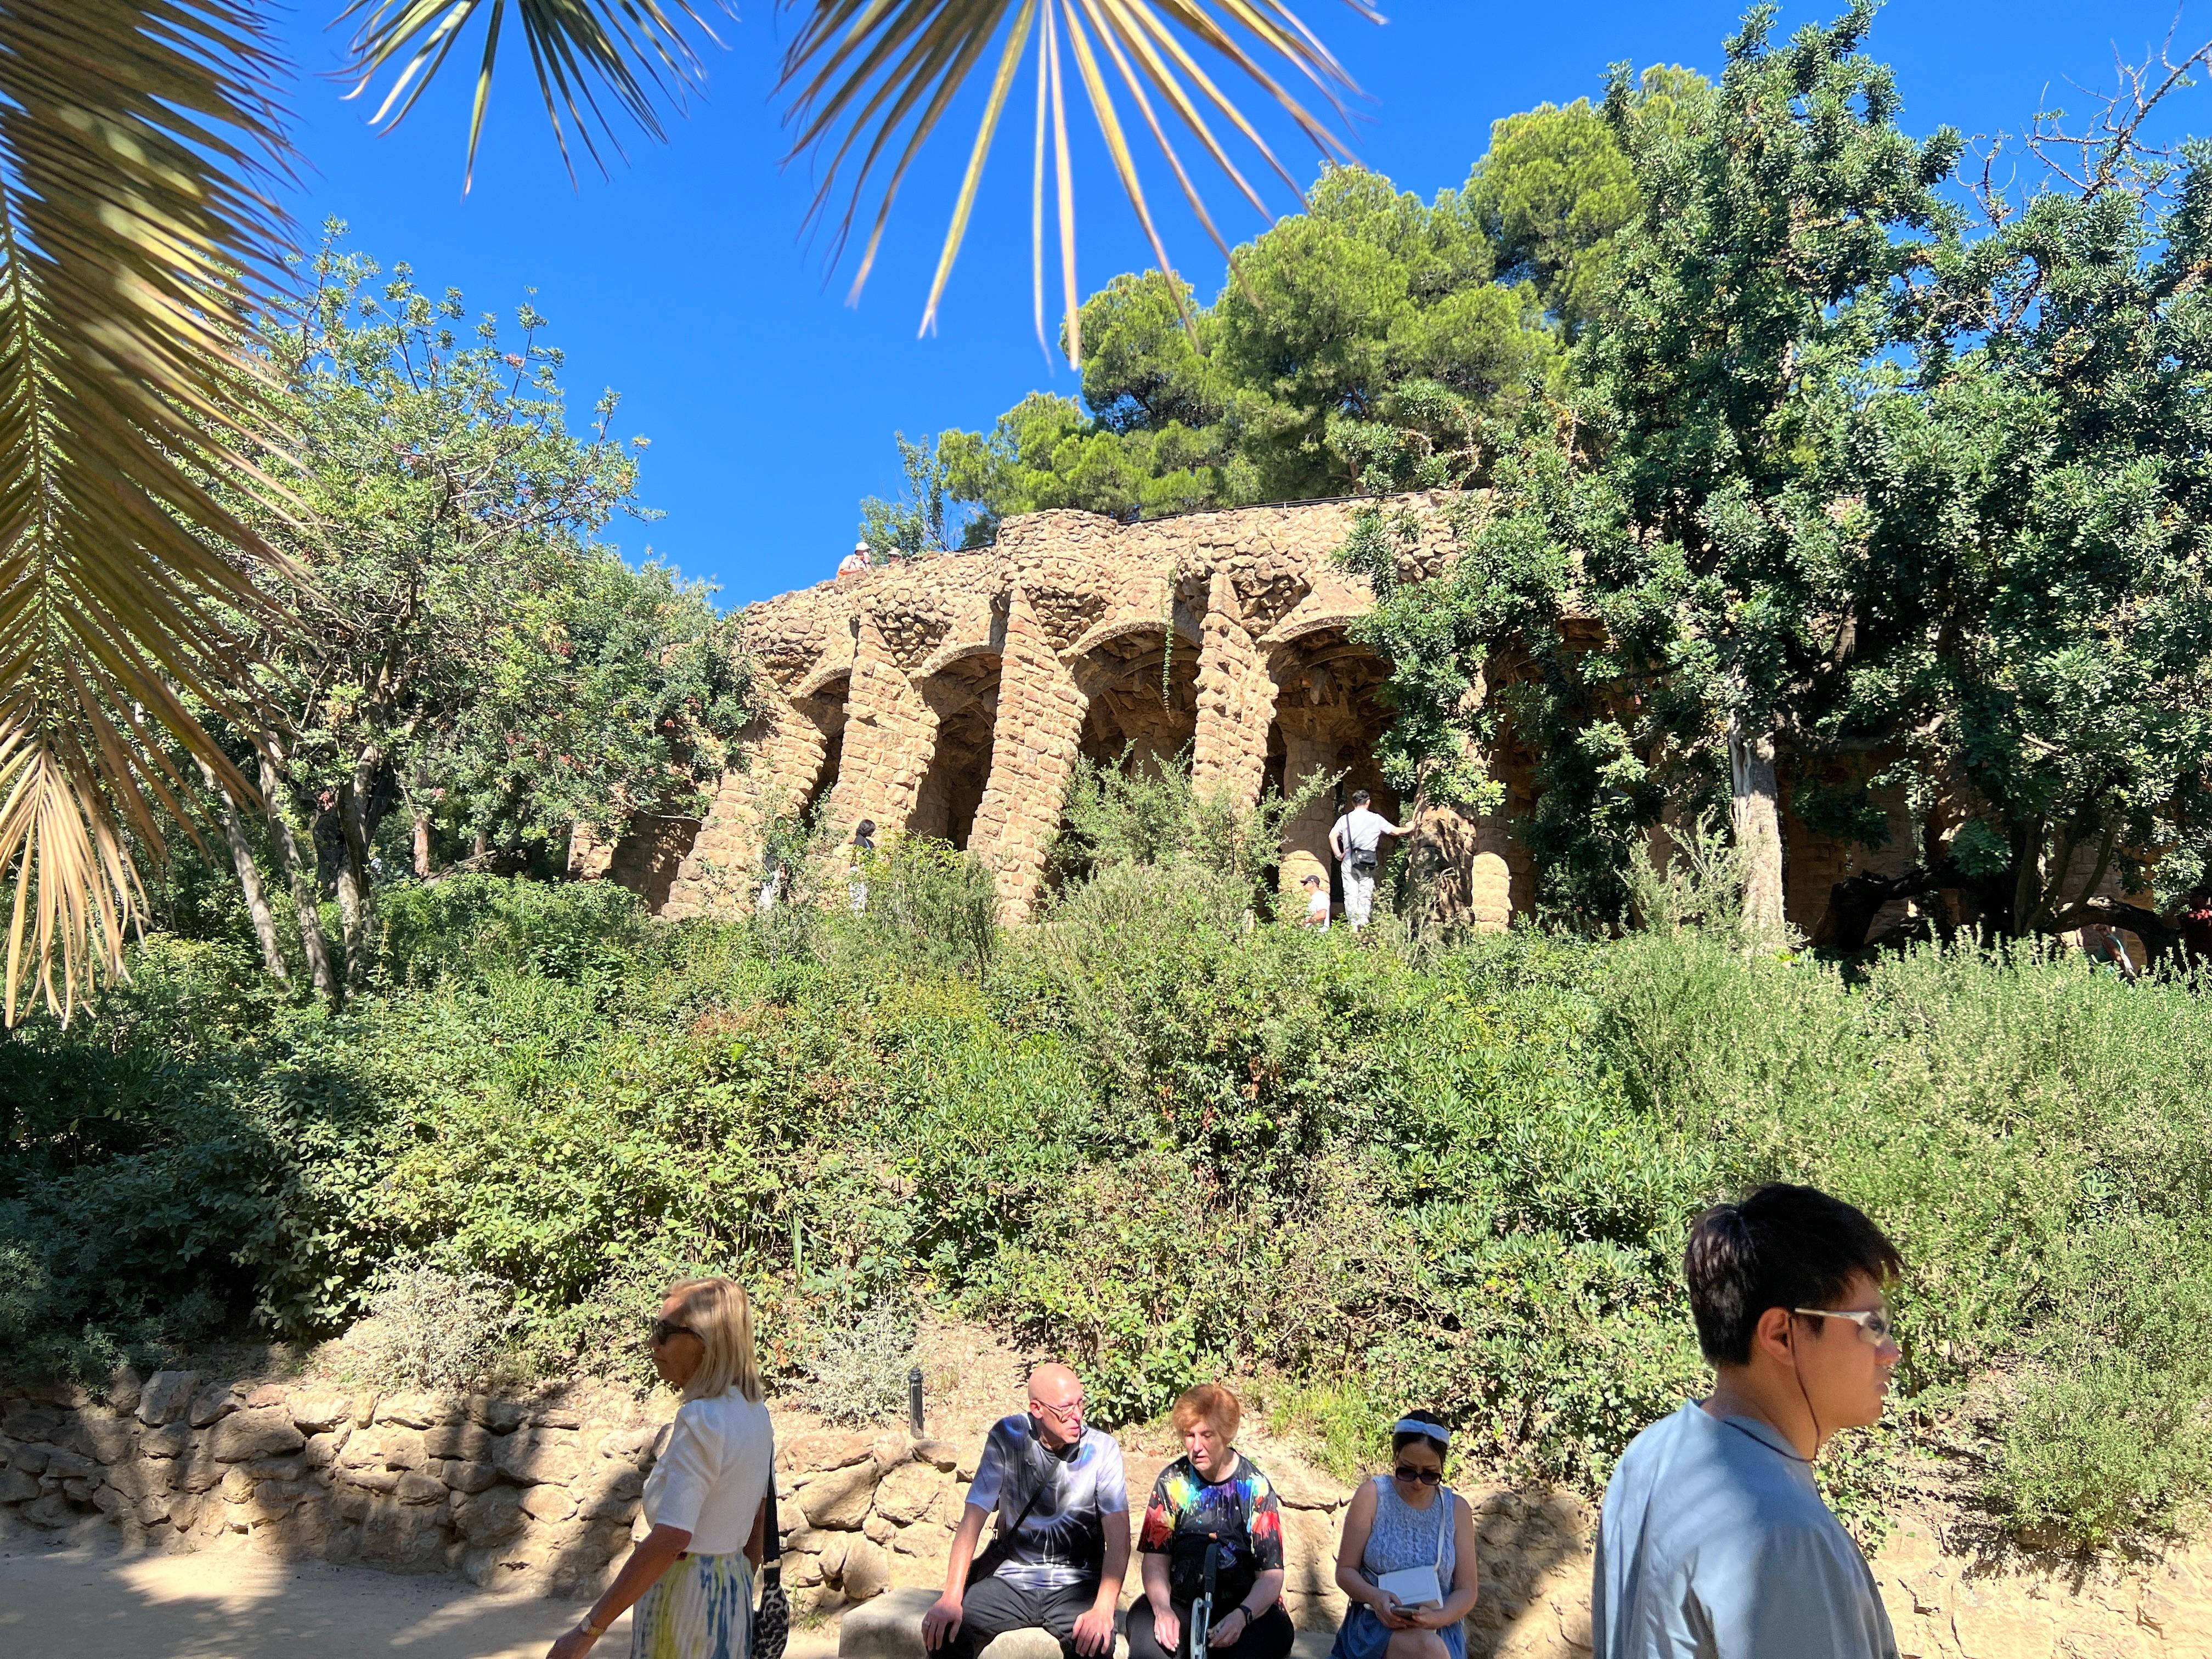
point(81, 1602)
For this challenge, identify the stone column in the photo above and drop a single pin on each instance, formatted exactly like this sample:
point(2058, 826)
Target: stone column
point(1309, 746)
point(714, 878)
point(890, 731)
point(1033, 750)
point(1235, 702)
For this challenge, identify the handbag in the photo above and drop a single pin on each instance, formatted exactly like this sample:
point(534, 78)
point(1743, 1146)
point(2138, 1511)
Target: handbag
point(1421, 1587)
point(772, 1622)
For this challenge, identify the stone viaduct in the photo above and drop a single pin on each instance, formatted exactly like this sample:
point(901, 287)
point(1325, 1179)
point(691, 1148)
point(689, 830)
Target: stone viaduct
point(952, 697)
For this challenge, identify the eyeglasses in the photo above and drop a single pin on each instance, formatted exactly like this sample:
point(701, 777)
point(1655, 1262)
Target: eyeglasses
point(1071, 1413)
point(1874, 1323)
point(665, 1328)
point(1426, 1477)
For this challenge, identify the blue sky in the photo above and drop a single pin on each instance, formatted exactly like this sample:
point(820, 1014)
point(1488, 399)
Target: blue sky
point(682, 280)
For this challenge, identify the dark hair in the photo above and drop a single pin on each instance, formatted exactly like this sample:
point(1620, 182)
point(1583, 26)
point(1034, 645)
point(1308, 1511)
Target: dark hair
point(1405, 1437)
point(1784, 1247)
point(1358, 796)
point(866, 827)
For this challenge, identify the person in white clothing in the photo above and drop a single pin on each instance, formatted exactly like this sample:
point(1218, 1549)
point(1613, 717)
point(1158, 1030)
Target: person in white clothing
point(707, 1499)
point(855, 563)
point(1355, 839)
point(1316, 900)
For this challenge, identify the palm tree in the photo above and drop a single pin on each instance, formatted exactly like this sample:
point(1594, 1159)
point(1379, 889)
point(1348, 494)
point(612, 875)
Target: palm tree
point(140, 142)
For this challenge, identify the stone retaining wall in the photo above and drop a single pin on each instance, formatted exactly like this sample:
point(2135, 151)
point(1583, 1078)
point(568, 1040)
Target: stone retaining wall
point(543, 1494)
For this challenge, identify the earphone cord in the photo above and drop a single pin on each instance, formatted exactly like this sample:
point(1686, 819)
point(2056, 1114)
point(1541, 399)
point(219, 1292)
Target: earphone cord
point(1801, 1390)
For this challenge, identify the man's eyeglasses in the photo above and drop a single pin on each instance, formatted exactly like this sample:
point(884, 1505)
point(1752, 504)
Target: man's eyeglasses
point(665, 1328)
point(1874, 1323)
point(1426, 1477)
point(1071, 1413)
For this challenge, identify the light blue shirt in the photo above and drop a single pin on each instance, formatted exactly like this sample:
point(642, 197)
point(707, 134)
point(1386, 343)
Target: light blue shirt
point(1715, 1543)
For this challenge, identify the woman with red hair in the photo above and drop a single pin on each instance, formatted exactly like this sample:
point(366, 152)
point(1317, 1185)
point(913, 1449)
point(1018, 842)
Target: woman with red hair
point(1212, 1495)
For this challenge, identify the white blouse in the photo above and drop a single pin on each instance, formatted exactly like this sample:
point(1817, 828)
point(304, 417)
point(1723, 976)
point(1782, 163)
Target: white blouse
point(710, 1481)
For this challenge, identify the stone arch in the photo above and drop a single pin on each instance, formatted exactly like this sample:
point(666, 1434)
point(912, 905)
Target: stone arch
point(1140, 686)
point(1329, 714)
point(822, 706)
point(962, 690)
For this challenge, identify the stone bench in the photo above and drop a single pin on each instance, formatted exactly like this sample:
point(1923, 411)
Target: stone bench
point(889, 1627)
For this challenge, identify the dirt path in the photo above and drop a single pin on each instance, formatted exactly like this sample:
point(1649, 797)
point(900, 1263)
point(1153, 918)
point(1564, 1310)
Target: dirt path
point(81, 1602)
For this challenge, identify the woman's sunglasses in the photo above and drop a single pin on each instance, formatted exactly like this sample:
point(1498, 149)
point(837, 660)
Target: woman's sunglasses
point(1426, 1477)
point(665, 1328)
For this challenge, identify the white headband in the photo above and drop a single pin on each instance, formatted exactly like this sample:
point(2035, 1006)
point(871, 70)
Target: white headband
point(1435, 1431)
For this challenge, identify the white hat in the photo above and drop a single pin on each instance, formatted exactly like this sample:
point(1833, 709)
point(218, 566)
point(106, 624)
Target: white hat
point(860, 547)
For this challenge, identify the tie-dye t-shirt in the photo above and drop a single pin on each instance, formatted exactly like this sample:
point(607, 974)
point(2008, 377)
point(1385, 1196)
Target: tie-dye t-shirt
point(1060, 1501)
point(1188, 1512)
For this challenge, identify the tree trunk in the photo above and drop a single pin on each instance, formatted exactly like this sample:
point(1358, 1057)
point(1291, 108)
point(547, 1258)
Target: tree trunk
point(249, 877)
point(1755, 815)
point(422, 846)
point(355, 895)
point(316, 948)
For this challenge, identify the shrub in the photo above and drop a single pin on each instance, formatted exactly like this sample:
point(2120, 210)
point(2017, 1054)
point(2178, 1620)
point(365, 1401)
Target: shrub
point(858, 1372)
point(429, 1328)
point(1168, 1146)
point(930, 907)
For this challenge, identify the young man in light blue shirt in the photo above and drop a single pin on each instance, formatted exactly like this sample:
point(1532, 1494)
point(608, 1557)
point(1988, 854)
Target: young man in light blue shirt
point(1714, 1541)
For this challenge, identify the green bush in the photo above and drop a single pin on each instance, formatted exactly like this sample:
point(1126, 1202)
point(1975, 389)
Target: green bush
point(1169, 1141)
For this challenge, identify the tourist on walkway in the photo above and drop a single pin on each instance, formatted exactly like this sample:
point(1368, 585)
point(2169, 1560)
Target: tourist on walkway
point(855, 564)
point(1408, 1558)
point(1355, 839)
point(706, 1501)
point(1316, 891)
point(1062, 1547)
point(1212, 1495)
point(1714, 1539)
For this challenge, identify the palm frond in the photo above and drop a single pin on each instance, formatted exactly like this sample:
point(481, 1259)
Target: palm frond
point(132, 138)
point(870, 79)
point(637, 49)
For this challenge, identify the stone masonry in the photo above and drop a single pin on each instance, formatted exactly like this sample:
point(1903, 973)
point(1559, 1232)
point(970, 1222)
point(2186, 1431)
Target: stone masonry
point(541, 1493)
point(953, 697)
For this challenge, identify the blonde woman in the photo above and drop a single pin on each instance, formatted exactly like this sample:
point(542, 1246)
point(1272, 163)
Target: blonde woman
point(691, 1579)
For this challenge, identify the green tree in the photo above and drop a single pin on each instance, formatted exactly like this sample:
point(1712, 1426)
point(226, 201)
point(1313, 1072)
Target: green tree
point(1556, 187)
point(1702, 505)
point(1364, 344)
point(2039, 655)
point(916, 524)
point(136, 231)
point(462, 646)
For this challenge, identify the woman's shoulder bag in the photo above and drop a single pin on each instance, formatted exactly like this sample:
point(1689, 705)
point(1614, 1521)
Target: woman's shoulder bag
point(772, 1622)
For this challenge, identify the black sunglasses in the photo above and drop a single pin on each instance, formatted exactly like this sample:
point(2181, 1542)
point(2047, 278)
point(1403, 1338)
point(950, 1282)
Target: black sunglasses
point(665, 1328)
point(1426, 1477)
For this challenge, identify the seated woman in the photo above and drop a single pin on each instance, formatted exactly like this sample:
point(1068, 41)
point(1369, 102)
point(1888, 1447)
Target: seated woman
point(1408, 1523)
point(1212, 1495)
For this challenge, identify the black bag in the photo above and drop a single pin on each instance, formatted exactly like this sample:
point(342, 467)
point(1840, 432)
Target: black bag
point(772, 1622)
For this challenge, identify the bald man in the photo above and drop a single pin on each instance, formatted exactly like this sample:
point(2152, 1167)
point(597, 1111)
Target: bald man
point(1062, 1547)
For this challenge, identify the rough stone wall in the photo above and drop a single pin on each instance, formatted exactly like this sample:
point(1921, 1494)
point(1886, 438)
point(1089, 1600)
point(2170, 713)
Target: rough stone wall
point(1235, 701)
point(1033, 752)
point(542, 1495)
point(1063, 637)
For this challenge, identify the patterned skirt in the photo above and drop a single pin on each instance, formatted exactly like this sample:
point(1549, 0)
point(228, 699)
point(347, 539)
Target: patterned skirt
point(701, 1608)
